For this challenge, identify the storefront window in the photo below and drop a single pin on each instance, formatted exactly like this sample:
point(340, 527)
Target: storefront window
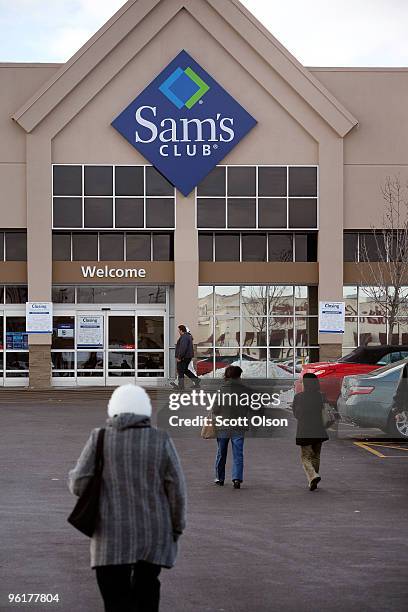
point(257, 198)
point(63, 295)
point(350, 247)
point(111, 247)
point(85, 247)
point(16, 246)
point(227, 247)
point(16, 295)
point(280, 247)
point(155, 294)
point(63, 333)
point(254, 246)
point(139, 197)
point(150, 332)
point(257, 327)
point(98, 181)
point(138, 247)
point(163, 247)
point(61, 247)
point(106, 295)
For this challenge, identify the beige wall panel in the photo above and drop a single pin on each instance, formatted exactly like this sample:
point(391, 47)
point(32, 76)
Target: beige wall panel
point(17, 84)
point(262, 272)
point(278, 139)
point(70, 272)
point(363, 200)
point(379, 100)
point(13, 199)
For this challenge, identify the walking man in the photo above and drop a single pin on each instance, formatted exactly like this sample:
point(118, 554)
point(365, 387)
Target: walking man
point(184, 354)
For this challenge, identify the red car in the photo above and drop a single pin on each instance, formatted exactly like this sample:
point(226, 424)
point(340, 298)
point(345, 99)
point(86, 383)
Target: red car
point(361, 360)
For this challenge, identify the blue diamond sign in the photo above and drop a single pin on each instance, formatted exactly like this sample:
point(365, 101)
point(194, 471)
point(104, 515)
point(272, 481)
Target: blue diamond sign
point(184, 123)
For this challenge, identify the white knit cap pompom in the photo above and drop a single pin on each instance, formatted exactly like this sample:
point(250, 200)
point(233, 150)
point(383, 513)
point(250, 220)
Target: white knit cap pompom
point(131, 399)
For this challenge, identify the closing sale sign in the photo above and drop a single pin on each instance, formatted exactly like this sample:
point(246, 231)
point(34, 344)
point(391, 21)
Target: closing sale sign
point(184, 123)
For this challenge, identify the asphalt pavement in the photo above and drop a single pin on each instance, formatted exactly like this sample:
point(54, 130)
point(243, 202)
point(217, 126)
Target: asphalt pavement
point(271, 546)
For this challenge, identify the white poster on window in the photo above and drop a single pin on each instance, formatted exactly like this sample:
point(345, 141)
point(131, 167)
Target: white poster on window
point(331, 317)
point(90, 331)
point(39, 317)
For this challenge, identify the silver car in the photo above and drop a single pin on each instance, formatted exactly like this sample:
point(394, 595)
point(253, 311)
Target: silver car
point(367, 399)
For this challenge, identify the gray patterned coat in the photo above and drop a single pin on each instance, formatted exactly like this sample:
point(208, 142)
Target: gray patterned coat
point(143, 499)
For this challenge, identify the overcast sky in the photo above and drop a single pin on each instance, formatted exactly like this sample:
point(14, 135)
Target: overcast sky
point(318, 32)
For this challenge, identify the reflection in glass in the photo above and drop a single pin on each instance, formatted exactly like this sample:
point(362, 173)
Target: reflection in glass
point(281, 331)
point(255, 331)
point(150, 361)
point(205, 363)
point(350, 336)
point(121, 332)
point(227, 331)
point(121, 361)
point(16, 361)
point(63, 361)
point(106, 295)
point(280, 247)
point(227, 300)
point(350, 299)
point(254, 300)
point(156, 294)
point(89, 360)
point(280, 300)
point(204, 335)
point(16, 295)
point(372, 330)
point(150, 332)
point(205, 300)
point(306, 331)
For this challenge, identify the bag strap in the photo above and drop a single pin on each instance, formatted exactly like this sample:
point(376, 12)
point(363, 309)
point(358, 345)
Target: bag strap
point(99, 452)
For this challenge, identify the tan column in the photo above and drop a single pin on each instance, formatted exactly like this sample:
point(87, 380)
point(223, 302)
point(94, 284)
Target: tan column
point(39, 249)
point(330, 249)
point(186, 264)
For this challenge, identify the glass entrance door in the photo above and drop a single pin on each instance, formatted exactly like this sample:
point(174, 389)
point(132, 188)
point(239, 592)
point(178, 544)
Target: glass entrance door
point(110, 348)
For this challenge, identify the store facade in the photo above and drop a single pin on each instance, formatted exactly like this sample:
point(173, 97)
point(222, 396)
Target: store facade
point(215, 183)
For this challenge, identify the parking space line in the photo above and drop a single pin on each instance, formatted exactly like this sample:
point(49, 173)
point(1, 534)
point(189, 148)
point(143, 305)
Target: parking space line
point(368, 447)
point(365, 446)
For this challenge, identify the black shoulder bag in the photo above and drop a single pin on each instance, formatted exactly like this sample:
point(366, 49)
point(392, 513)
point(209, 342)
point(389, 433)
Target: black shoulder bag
point(85, 514)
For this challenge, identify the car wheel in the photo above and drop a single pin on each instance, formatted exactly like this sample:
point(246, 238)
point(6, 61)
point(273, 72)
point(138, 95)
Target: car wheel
point(398, 428)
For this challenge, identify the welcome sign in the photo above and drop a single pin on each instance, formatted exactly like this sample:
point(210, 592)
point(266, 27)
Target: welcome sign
point(184, 123)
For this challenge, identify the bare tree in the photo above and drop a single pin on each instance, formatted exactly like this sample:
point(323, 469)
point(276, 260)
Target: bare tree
point(384, 278)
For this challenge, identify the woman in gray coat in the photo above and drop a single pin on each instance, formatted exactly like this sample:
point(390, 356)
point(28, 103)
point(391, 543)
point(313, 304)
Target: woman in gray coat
point(142, 503)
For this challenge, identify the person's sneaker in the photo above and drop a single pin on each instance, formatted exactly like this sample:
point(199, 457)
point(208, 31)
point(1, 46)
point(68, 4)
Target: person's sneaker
point(220, 483)
point(314, 483)
point(237, 484)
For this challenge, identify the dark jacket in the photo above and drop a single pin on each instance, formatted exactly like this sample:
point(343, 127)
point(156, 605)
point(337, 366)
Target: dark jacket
point(308, 408)
point(235, 404)
point(184, 347)
point(143, 497)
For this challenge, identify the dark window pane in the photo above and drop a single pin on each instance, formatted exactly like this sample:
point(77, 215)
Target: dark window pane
point(89, 361)
point(138, 247)
point(241, 181)
point(16, 246)
point(241, 212)
point(98, 212)
point(111, 247)
point(121, 332)
point(210, 212)
point(150, 332)
point(272, 181)
point(253, 247)
point(106, 295)
point(67, 180)
point(160, 212)
point(16, 325)
point(63, 295)
point(302, 213)
point(150, 361)
point(129, 212)
point(1, 246)
point(280, 247)
point(16, 295)
point(302, 181)
point(129, 180)
point(226, 247)
point(156, 184)
point(163, 247)
point(205, 247)
point(17, 361)
point(98, 180)
point(213, 184)
point(63, 361)
point(67, 212)
point(61, 247)
point(151, 295)
point(350, 247)
point(372, 247)
point(63, 333)
point(84, 247)
point(272, 213)
point(306, 247)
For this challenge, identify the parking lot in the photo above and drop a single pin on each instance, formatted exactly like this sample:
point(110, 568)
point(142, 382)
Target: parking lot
point(273, 545)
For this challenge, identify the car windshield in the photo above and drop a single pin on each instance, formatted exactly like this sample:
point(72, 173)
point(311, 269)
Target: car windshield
point(363, 354)
point(388, 368)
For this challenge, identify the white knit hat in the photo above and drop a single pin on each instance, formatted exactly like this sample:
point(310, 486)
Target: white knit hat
point(130, 398)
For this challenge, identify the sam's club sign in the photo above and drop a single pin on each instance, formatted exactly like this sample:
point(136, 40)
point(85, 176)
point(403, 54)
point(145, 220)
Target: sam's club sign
point(184, 123)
